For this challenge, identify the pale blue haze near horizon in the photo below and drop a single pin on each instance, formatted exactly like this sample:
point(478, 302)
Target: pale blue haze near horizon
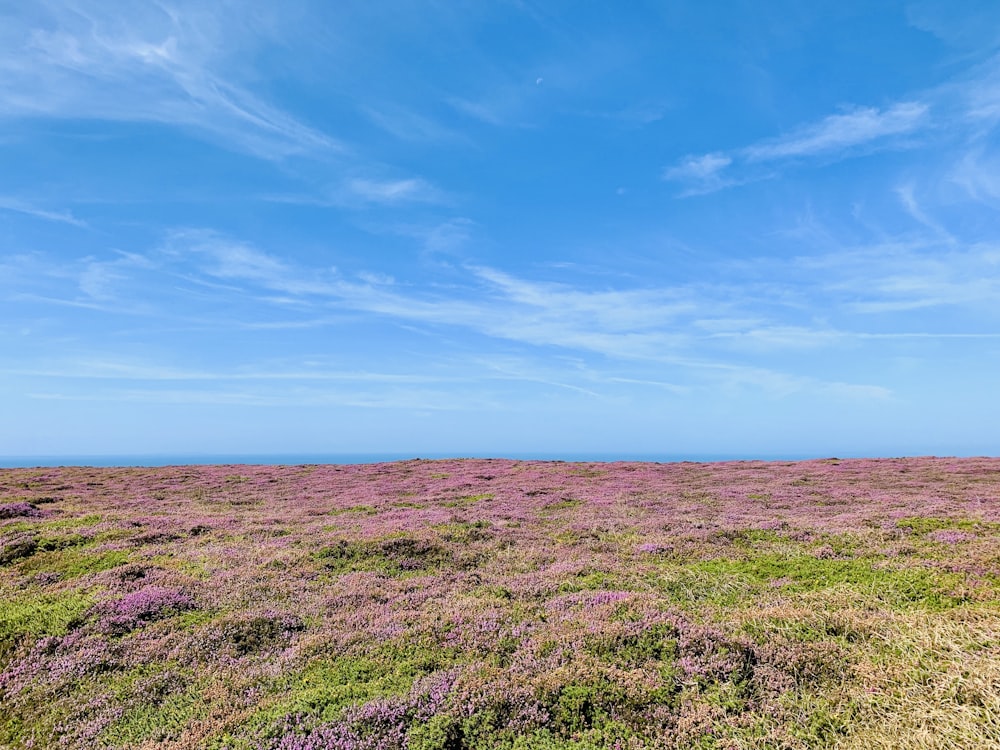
point(499, 228)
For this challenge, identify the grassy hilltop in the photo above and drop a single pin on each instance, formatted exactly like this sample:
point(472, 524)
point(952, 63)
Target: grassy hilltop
point(438, 605)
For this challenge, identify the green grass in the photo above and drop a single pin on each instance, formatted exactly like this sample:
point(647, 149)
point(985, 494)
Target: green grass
point(37, 614)
point(162, 702)
point(656, 643)
point(73, 563)
point(360, 510)
point(925, 524)
point(467, 500)
point(56, 524)
point(565, 504)
point(732, 581)
point(464, 532)
point(392, 556)
point(595, 580)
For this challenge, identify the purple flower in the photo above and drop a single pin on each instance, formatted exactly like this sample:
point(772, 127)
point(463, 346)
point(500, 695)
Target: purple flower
point(951, 536)
point(19, 510)
point(609, 597)
point(142, 607)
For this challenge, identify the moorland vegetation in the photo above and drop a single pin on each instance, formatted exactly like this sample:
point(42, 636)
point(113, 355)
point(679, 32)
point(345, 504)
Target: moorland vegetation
point(502, 605)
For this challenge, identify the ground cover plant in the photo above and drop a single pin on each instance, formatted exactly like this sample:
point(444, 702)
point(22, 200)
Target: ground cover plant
point(439, 605)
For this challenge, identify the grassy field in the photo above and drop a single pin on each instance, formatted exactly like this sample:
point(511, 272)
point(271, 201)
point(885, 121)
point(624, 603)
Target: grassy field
point(438, 605)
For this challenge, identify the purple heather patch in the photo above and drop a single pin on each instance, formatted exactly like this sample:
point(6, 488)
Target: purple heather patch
point(19, 510)
point(951, 536)
point(142, 607)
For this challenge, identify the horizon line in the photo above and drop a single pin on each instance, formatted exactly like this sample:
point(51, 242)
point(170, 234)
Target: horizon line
point(163, 460)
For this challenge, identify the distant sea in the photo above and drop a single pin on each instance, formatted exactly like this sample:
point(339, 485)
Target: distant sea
point(294, 459)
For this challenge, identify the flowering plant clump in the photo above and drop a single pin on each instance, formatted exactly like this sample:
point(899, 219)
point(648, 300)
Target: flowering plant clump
point(19, 510)
point(951, 536)
point(381, 724)
point(17, 545)
point(502, 605)
point(142, 607)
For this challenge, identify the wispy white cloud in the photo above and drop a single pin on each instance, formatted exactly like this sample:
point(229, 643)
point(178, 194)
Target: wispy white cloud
point(672, 336)
point(408, 125)
point(971, 29)
point(840, 132)
point(977, 172)
point(857, 391)
point(658, 325)
point(504, 99)
point(8, 203)
point(834, 136)
point(412, 190)
point(614, 311)
point(153, 63)
point(629, 323)
point(680, 390)
point(961, 114)
point(898, 277)
point(979, 94)
point(489, 112)
point(361, 193)
point(907, 196)
point(662, 323)
point(106, 284)
point(449, 237)
point(517, 369)
point(469, 383)
point(702, 173)
point(422, 400)
point(228, 259)
point(780, 337)
point(116, 369)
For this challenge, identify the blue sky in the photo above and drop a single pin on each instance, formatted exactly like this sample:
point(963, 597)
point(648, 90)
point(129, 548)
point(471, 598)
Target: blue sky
point(500, 227)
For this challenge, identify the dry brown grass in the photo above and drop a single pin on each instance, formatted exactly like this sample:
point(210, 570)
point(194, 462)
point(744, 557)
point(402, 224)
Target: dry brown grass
point(933, 681)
